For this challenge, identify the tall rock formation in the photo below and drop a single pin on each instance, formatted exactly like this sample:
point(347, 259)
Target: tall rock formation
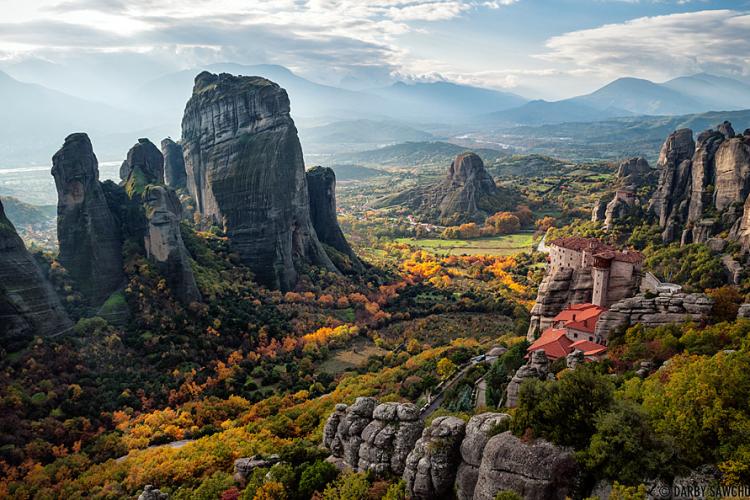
point(467, 194)
point(164, 244)
point(146, 160)
point(632, 176)
point(668, 202)
point(174, 164)
point(321, 186)
point(246, 172)
point(28, 304)
point(702, 186)
point(88, 234)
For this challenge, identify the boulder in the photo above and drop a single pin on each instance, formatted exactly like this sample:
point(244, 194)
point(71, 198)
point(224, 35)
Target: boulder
point(666, 308)
point(244, 467)
point(744, 311)
point(150, 492)
point(28, 303)
point(479, 430)
point(537, 471)
point(174, 164)
point(246, 172)
point(163, 242)
point(389, 437)
point(321, 186)
point(431, 466)
point(599, 211)
point(574, 359)
point(88, 234)
point(536, 368)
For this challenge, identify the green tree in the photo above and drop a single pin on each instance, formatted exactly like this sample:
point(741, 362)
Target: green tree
point(563, 411)
point(315, 477)
point(625, 448)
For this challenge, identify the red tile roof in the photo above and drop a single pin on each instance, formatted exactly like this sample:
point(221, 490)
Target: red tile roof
point(588, 348)
point(554, 342)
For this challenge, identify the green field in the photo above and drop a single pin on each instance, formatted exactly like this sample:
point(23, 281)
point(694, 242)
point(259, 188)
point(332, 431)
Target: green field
point(497, 245)
point(353, 357)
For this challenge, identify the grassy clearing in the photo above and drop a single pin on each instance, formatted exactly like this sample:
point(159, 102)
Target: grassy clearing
point(352, 357)
point(497, 245)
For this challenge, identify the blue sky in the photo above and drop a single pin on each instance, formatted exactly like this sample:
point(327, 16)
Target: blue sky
point(539, 48)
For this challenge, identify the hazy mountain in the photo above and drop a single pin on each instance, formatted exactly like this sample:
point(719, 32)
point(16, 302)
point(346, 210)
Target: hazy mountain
point(418, 153)
point(642, 97)
point(35, 120)
point(446, 101)
point(363, 132)
point(540, 112)
point(718, 92)
point(167, 95)
point(614, 138)
point(633, 96)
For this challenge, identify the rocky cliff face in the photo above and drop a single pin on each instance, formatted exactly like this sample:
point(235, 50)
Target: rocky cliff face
point(473, 460)
point(536, 470)
point(28, 304)
point(88, 234)
point(372, 436)
point(246, 172)
point(321, 186)
point(663, 309)
point(632, 176)
point(164, 244)
point(479, 430)
point(174, 164)
point(146, 161)
point(702, 186)
point(431, 466)
point(556, 291)
point(536, 368)
point(467, 194)
point(674, 165)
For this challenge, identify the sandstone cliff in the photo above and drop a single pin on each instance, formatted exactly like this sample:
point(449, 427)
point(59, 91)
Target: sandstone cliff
point(321, 185)
point(633, 176)
point(474, 460)
point(702, 186)
point(144, 160)
point(556, 291)
point(174, 164)
point(164, 244)
point(246, 172)
point(660, 310)
point(88, 234)
point(467, 194)
point(28, 304)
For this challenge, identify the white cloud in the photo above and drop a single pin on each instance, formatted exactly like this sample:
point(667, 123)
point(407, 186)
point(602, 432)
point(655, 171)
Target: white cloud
point(345, 35)
point(660, 47)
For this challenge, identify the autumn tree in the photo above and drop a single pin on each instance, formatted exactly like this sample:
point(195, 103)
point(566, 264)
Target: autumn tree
point(445, 368)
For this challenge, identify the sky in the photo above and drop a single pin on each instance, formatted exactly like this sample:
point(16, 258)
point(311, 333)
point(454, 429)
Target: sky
point(537, 48)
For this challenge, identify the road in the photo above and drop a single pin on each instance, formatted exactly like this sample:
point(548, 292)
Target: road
point(427, 410)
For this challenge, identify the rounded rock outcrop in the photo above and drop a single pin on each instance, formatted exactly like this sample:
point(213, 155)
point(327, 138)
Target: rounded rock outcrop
point(431, 466)
point(537, 471)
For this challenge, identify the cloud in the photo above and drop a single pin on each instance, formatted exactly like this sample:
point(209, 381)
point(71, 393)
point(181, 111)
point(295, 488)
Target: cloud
point(348, 36)
point(660, 46)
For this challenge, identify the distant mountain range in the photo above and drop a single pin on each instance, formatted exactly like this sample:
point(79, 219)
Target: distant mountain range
point(632, 97)
point(35, 119)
